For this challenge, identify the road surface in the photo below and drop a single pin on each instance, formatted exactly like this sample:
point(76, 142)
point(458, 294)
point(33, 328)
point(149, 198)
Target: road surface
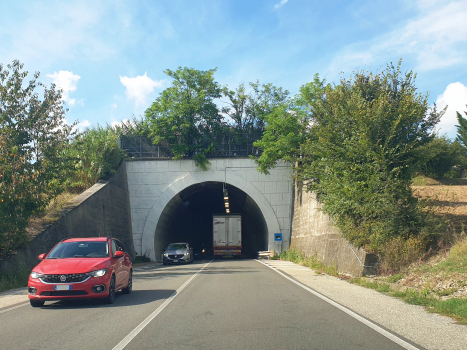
point(222, 304)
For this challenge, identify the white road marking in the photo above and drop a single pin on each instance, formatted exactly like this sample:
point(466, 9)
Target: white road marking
point(370, 324)
point(156, 312)
point(13, 308)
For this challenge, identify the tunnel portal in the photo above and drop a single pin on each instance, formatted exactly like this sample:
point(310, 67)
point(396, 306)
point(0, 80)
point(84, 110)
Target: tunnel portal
point(188, 218)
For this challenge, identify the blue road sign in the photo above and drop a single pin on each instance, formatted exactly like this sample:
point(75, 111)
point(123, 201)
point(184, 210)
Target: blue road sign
point(278, 237)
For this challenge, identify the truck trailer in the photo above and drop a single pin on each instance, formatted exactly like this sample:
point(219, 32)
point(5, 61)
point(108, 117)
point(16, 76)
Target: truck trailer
point(227, 235)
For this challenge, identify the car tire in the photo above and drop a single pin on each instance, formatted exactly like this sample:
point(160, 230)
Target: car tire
point(36, 303)
point(111, 297)
point(129, 286)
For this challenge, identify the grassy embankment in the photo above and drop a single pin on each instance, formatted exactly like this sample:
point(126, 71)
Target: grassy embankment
point(12, 280)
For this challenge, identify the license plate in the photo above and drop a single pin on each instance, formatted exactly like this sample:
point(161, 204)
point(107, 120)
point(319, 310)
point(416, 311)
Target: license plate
point(175, 260)
point(63, 287)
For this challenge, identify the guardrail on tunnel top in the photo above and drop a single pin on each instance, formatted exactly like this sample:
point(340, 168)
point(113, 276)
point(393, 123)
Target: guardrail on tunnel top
point(240, 145)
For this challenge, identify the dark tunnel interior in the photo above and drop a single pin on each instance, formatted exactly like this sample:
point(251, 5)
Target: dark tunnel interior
point(188, 218)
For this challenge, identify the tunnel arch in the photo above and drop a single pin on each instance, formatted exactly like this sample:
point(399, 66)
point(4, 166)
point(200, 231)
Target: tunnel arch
point(170, 192)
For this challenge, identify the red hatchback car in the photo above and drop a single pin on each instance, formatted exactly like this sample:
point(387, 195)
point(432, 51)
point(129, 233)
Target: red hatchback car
point(81, 268)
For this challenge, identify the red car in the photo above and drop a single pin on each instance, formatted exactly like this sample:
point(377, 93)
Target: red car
point(81, 268)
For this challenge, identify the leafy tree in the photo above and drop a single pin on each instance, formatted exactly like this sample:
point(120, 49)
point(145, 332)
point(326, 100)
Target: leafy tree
point(359, 151)
point(33, 139)
point(439, 156)
point(94, 154)
point(362, 156)
point(249, 108)
point(185, 115)
point(288, 126)
point(462, 130)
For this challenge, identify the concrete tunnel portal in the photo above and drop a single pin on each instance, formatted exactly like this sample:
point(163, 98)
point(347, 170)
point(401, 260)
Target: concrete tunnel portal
point(187, 217)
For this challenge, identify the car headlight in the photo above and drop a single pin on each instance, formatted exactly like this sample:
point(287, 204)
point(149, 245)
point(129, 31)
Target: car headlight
point(97, 273)
point(35, 275)
point(187, 253)
point(166, 255)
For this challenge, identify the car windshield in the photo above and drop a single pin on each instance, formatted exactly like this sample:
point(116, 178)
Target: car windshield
point(176, 246)
point(79, 250)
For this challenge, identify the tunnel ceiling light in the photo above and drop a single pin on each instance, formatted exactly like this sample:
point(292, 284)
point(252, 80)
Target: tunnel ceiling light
point(227, 210)
point(226, 198)
point(227, 204)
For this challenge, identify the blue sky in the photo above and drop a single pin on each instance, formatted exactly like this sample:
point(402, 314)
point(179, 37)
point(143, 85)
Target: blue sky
point(109, 56)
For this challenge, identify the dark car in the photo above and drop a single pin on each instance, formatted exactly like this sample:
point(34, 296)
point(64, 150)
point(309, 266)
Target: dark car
point(81, 268)
point(177, 253)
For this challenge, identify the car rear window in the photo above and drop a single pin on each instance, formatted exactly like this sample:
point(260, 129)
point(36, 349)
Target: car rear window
point(80, 250)
point(176, 246)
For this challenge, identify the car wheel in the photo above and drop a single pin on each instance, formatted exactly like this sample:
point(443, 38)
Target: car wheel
point(129, 286)
point(36, 303)
point(111, 297)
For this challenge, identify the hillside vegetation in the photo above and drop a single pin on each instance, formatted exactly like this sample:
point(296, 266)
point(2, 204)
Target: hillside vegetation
point(437, 281)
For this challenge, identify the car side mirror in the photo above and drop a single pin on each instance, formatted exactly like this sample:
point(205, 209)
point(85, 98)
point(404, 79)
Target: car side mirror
point(119, 254)
point(41, 257)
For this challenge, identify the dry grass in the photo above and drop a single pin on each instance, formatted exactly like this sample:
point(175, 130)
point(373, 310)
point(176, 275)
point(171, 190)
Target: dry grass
point(51, 214)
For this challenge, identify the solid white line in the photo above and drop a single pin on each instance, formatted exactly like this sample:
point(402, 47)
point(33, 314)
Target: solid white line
point(370, 324)
point(156, 312)
point(13, 308)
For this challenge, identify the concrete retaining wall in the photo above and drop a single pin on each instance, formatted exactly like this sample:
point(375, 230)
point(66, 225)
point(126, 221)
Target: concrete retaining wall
point(103, 210)
point(314, 233)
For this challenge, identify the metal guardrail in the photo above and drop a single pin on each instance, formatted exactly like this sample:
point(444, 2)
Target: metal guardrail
point(226, 146)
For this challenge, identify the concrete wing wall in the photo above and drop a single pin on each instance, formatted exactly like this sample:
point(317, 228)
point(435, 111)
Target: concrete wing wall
point(103, 210)
point(314, 233)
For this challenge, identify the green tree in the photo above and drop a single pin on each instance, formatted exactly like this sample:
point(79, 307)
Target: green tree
point(249, 107)
point(33, 140)
point(439, 156)
point(93, 154)
point(357, 151)
point(462, 130)
point(185, 116)
point(362, 156)
point(287, 127)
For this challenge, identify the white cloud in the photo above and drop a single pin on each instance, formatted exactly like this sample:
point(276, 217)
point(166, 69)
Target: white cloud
point(455, 97)
point(67, 81)
point(140, 88)
point(113, 106)
point(435, 39)
point(115, 123)
point(280, 4)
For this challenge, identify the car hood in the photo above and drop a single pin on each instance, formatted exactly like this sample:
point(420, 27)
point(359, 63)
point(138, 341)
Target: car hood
point(71, 265)
point(176, 251)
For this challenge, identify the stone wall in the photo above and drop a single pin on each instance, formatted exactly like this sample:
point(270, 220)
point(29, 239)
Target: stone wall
point(103, 210)
point(314, 233)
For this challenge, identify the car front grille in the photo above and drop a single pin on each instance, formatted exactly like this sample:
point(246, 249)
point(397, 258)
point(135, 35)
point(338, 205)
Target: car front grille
point(176, 256)
point(70, 278)
point(63, 293)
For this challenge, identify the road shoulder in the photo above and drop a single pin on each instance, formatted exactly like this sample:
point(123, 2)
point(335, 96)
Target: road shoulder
point(412, 322)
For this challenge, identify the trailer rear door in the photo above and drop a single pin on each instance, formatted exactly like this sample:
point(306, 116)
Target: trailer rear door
point(219, 231)
point(235, 231)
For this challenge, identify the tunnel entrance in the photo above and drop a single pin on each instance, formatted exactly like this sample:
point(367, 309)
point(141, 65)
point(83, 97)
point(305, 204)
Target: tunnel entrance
point(188, 218)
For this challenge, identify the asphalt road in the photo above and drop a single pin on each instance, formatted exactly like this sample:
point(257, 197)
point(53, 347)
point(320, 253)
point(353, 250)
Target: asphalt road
point(223, 304)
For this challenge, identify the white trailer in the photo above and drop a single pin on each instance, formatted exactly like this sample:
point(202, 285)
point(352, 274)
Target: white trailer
point(227, 235)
